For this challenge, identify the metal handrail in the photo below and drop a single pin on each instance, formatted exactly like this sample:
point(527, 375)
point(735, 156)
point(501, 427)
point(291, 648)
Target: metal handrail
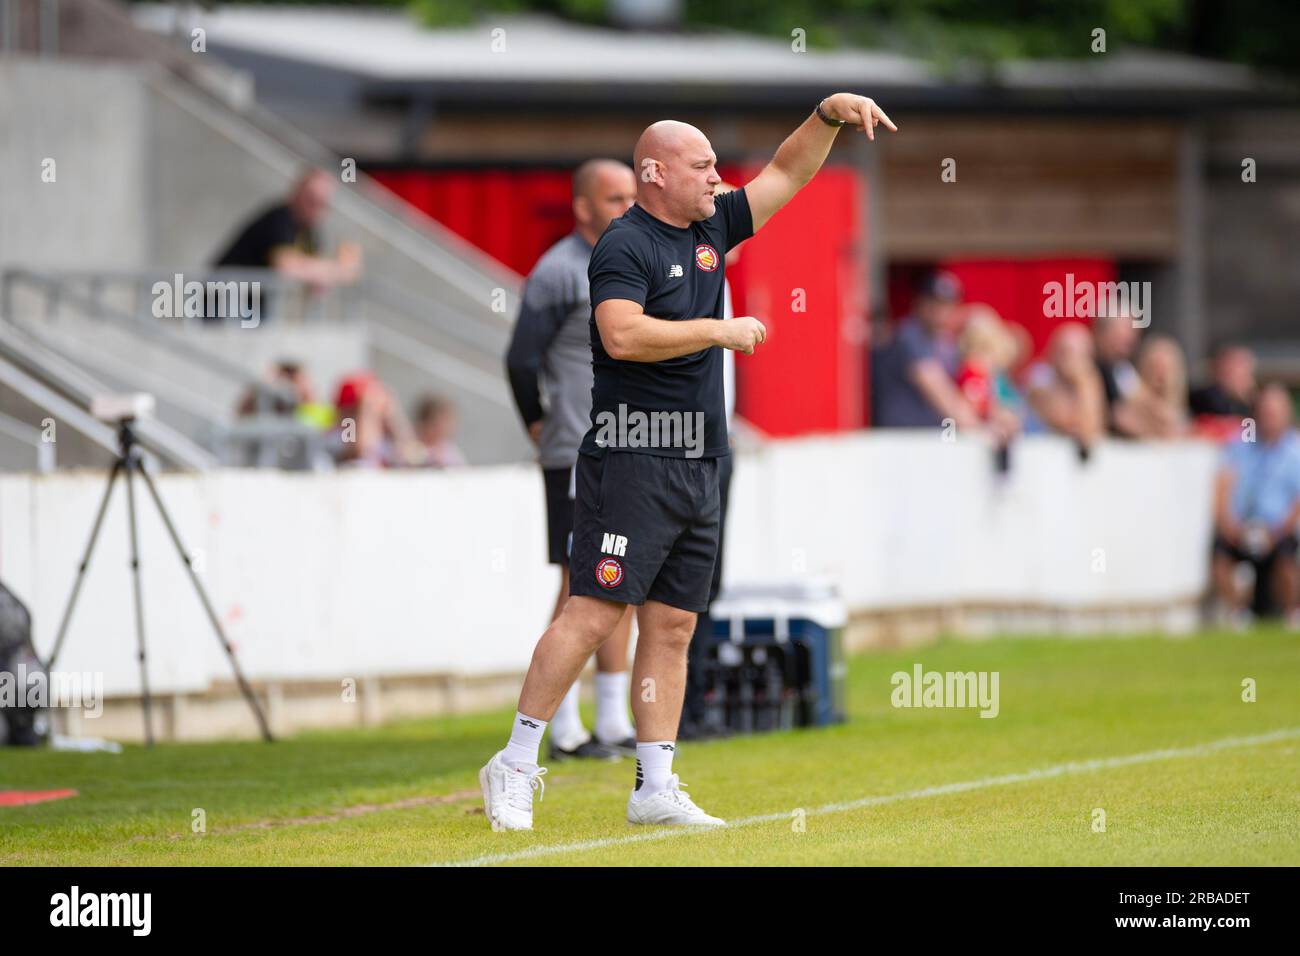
point(21, 432)
point(267, 393)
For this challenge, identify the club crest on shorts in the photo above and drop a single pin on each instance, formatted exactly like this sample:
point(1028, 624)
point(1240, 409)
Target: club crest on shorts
point(706, 257)
point(609, 572)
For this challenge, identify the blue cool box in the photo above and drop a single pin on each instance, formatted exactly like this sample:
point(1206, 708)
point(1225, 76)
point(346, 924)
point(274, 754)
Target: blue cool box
point(805, 620)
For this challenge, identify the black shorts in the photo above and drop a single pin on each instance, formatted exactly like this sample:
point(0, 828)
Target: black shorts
point(645, 528)
point(559, 513)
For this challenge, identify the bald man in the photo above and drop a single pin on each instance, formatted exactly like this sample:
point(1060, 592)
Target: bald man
point(286, 238)
point(645, 526)
point(550, 350)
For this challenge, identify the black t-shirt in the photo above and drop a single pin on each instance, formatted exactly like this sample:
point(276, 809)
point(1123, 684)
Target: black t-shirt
point(1213, 400)
point(674, 274)
point(274, 228)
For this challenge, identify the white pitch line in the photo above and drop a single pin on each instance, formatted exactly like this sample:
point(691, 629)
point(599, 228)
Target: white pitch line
point(1043, 773)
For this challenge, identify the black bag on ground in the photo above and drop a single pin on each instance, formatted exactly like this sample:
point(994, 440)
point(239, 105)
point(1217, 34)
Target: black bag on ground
point(23, 726)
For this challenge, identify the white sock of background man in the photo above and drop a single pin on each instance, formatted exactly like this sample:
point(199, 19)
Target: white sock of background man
point(613, 726)
point(654, 765)
point(567, 731)
point(525, 741)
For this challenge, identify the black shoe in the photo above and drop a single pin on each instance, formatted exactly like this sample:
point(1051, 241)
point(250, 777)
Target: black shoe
point(592, 749)
point(625, 747)
point(704, 730)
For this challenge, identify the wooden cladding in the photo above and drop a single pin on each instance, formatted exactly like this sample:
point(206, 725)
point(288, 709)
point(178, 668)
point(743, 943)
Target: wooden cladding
point(1032, 185)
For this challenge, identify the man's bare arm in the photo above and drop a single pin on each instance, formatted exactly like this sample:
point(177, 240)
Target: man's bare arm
point(932, 381)
point(318, 270)
point(804, 151)
point(629, 335)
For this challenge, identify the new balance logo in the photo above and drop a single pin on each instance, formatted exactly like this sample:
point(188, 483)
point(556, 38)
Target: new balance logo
point(674, 272)
point(528, 723)
point(614, 544)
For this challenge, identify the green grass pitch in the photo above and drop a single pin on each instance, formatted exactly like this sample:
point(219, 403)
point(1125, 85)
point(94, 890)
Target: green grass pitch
point(1151, 730)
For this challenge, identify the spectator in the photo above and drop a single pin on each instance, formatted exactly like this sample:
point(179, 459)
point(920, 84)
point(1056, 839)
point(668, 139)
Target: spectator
point(916, 372)
point(1066, 393)
point(1116, 340)
point(372, 432)
point(1231, 392)
point(989, 350)
point(286, 238)
point(1257, 506)
point(436, 422)
point(296, 396)
point(1161, 403)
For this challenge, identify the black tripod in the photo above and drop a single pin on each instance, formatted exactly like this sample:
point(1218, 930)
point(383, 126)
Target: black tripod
point(129, 461)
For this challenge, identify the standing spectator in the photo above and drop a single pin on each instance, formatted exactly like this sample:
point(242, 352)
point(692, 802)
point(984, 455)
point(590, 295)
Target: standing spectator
point(1065, 393)
point(916, 372)
point(550, 354)
point(1257, 507)
point(1162, 400)
point(1231, 392)
point(286, 238)
point(1116, 341)
point(436, 423)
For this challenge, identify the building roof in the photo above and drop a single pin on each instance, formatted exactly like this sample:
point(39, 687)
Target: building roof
point(390, 53)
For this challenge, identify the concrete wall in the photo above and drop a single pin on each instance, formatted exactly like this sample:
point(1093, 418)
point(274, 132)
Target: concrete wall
point(323, 577)
point(96, 214)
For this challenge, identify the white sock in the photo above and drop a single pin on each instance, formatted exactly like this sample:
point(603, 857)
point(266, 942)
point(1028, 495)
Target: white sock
point(654, 765)
point(612, 723)
point(525, 740)
point(567, 731)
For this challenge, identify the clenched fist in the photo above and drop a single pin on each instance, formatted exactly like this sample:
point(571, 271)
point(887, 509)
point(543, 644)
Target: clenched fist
point(741, 334)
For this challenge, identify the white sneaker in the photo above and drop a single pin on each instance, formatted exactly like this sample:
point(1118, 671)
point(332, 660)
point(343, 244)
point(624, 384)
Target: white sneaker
point(508, 793)
point(670, 806)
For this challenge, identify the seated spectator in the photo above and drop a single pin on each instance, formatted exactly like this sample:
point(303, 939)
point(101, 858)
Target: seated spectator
point(988, 352)
point(1065, 393)
point(296, 397)
point(1257, 506)
point(286, 238)
point(1161, 403)
point(915, 385)
point(1221, 404)
point(435, 427)
point(1116, 341)
point(372, 432)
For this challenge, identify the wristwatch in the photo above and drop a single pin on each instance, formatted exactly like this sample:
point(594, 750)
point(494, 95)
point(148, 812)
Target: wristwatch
point(821, 115)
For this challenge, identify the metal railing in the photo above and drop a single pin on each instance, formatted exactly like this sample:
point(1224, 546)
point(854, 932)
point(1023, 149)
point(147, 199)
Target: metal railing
point(24, 434)
point(265, 439)
point(224, 296)
point(133, 296)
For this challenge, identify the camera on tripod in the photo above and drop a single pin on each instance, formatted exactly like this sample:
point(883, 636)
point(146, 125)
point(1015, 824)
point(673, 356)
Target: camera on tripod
point(125, 410)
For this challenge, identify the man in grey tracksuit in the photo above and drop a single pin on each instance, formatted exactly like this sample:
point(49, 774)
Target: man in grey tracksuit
point(549, 365)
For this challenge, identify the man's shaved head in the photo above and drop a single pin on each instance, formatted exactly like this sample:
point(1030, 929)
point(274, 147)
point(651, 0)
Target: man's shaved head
point(603, 189)
point(676, 177)
point(587, 177)
point(666, 139)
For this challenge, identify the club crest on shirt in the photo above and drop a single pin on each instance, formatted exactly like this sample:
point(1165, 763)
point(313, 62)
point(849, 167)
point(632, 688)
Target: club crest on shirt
point(706, 257)
point(609, 572)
